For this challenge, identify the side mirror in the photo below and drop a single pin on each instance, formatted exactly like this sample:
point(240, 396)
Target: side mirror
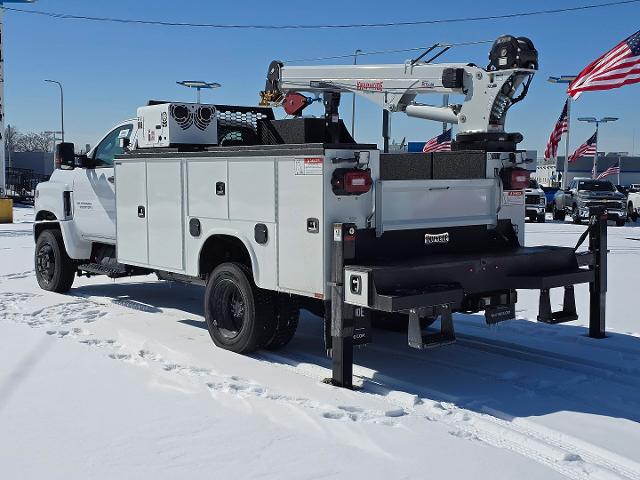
point(65, 156)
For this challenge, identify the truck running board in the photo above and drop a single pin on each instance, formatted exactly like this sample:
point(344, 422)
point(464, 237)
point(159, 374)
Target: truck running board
point(422, 341)
point(111, 271)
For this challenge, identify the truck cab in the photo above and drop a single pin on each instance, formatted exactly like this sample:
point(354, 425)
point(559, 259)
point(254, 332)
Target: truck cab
point(85, 192)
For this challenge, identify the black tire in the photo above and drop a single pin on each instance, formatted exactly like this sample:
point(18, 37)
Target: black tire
point(575, 215)
point(287, 314)
point(240, 316)
point(558, 214)
point(55, 271)
point(395, 322)
point(542, 218)
point(632, 215)
point(620, 222)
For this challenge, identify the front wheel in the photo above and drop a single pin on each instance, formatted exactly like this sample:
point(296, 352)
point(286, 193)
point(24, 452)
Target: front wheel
point(620, 222)
point(632, 214)
point(239, 315)
point(55, 271)
point(541, 218)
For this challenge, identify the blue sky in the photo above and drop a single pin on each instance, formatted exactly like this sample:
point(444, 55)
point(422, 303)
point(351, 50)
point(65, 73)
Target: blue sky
point(108, 69)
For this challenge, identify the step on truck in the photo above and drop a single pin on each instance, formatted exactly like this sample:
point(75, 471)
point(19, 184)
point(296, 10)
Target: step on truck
point(274, 216)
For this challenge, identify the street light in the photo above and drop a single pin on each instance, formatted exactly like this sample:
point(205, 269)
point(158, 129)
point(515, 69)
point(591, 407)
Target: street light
point(199, 85)
point(597, 122)
point(61, 105)
point(353, 100)
point(565, 79)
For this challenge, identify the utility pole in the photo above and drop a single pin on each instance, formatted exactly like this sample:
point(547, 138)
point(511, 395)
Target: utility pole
point(353, 99)
point(2, 99)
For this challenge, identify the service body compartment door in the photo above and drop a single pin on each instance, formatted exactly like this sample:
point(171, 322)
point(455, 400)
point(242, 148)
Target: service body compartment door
point(208, 188)
point(300, 228)
point(165, 222)
point(411, 204)
point(131, 207)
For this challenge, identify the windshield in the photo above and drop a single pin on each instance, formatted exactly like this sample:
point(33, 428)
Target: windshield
point(533, 183)
point(596, 186)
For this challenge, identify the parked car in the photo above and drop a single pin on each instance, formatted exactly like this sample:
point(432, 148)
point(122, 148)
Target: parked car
point(549, 193)
point(584, 194)
point(535, 202)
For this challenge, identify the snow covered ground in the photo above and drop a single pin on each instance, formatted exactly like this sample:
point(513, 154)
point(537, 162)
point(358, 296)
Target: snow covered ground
point(119, 379)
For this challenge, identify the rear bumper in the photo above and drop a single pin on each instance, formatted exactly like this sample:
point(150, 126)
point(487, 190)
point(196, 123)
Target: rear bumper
point(463, 281)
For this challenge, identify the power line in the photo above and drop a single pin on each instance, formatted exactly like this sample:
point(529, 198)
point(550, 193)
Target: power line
point(315, 27)
point(383, 52)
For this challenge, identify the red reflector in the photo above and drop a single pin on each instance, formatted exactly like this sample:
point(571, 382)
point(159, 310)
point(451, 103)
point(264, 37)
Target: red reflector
point(515, 178)
point(351, 181)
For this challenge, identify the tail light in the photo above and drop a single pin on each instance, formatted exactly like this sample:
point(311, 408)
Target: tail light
point(347, 181)
point(515, 178)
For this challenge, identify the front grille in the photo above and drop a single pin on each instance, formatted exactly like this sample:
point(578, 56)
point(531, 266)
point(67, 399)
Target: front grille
point(612, 204)
point(532, 199)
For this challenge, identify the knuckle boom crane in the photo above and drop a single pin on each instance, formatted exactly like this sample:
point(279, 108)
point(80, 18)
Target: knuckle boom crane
point(488, 92)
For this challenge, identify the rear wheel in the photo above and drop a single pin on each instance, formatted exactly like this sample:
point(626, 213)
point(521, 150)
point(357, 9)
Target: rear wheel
point(558, 214)
point(55, 271)
point(575, 215)
point(239, 315)
point(631, 213)
point(287, 314)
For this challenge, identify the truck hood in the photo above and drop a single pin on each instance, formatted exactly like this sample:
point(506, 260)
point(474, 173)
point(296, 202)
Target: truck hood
point(600, 195)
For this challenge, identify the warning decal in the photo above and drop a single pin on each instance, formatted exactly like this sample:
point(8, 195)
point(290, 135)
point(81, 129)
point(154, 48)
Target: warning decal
point(513, 197)
point(308, 166)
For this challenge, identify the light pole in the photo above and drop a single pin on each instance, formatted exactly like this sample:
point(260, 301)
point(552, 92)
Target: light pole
point(597, 122)
point(565, 171)
point(61, 106)
point(199, 85)
point(353, 100)
point(2, 99)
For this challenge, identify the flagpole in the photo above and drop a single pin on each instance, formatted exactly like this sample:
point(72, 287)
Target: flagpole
point(619, 168)
point(595, 155)
point(566, 145)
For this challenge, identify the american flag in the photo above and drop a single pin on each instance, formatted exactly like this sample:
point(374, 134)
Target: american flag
point(615, 170)
point(562, 126)
point(441, 143)
point(587, 149)
point(619, 66)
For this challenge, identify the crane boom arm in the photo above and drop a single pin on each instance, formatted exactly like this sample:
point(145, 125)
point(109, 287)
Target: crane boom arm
point(488, 93)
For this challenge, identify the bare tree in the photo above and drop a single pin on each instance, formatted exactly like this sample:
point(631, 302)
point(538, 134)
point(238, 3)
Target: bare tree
point(34, 142)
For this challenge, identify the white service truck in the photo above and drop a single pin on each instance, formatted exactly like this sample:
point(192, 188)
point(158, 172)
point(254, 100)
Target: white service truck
point(272, 216)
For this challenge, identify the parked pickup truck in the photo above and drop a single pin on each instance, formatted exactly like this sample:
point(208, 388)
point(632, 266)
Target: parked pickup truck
point(584, 194)
point(535, 202)
point(633, 203)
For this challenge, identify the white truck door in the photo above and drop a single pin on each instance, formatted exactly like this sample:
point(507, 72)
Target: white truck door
point(94, 189)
